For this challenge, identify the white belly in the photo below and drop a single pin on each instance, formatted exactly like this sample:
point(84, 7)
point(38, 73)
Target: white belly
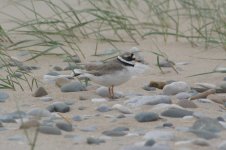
point(114, 79)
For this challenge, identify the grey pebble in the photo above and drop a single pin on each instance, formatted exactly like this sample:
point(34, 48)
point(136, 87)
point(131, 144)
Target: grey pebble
point(91, 140)
point(149, 142)
point(176, 113)
point(39, 112)
point(57, 68)
point(22, 138)
point(77, 118)
point(201, 142)
point(46, 98)
point(183, 95)
point(114, 133)
point(59, 107)
point(53, 73)
point(175, 88)
point(146, 117)
point(222, 145)
point(3, 96)
point(49, 130)
point(148, 88)
point(73, 87)
point(121, 129)
point(40, 92)
point(11, 117)
point(64, 126)
point(103, 108)
point(103, 92)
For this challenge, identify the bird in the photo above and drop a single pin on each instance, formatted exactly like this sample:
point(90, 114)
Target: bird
point(114, 72)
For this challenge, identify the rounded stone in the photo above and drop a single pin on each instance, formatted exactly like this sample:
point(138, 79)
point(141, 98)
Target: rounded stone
point(176, 113)
point(49, 130)
point(149, 142)
point(186, 104)
point(146, 117)
point(3, 96)
point(64, 126)
point(91, 140)
point(59, 107)
point(175, 88)
point(73, 87)
point(39, 112)
point(40, 92)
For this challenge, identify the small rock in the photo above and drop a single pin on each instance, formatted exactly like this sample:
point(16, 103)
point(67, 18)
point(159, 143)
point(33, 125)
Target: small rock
point(204, 134)
point(62, 81)
point(122, 109)
point(146, 117)
point(114, 133)
point(186, 104)
point(39, 112)
point(176, 113)
point(157, 84)
point(175, 88)
point(148, 100)
point(208, 124)
point(69, 102)
point(11, 117)
point(59, 107)
point(53, 73)
point(223, 85)
point(73, 87)
point(220, 119)
point(103, 108)
point(167, 125)
point(77, 118)
point(22, 138)
point(103, 92)
point(40, 92)
point(64, 126)
point(220, 99)
point(183, 96)
point(82, 98)
point(160, 135)
point(91, 140)
point(200, 142)
point(98, 100)
point(120, 129)
point(57, 68)
point(1, 125)
point(46, 98)
point(49, 130)
point(148, 88)
point(149, 142)
point(3, 96)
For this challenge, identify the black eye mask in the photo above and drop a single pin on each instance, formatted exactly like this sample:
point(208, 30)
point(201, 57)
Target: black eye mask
point(129, 58)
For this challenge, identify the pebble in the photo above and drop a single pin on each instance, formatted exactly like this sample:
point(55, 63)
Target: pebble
point(176, 113)
point(204, 134)
point(224, 79)
point(49, 130)
point(82, 98)
point(149, 142)
point(114, 133)
point(103, 92)
point(186, 104)
point(98, 100)
point(58, 107)
point(122, 109)
point(167, 125)
point(157, 84)
point(208, 124)
point(69, 102)
point(73, 87)
point(183, 95)
point(91, 140)
point(146, 117)
point(148, 88)
point(200, 142)
point(64, 126)
point(3, 96)
point(160, 135)
point(40, 92)
point(21, 138)
point(11, 117)
point(53, 73)
point(46, 98)
point(61, 81)
point(223, 85)
point(148, 100)
point(77, 118)
point(175, 88)
point(220, 99)
point(39, 112)
point(156, 146)
point(57, 68)
point(120, 129)
point(103, 108)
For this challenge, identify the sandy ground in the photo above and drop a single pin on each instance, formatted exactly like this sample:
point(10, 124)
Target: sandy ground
point(176, 51)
